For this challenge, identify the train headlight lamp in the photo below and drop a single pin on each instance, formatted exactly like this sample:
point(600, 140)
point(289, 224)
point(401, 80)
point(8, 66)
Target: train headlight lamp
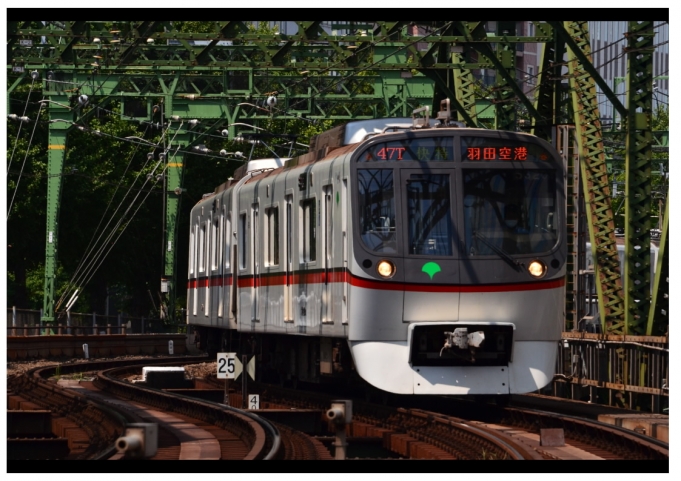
point(537, 269)
point(385, 269)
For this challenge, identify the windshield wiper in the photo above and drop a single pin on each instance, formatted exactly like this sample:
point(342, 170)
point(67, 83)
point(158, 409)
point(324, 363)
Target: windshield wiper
point(514, 263)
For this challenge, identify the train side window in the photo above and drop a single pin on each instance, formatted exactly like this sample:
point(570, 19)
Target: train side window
point(214, 244)
point(192, 249)
point(272, 236)
point(309, 230)
point(202, 247)
point(242, 241)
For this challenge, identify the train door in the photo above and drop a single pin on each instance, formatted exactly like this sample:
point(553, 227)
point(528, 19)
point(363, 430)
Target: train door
point(431, 255)
point(327, 305)
point(193, 265)
point(214, 265)
point(203, 255)
point(220, 262)
point(256, 263)
point(344, 228)
point(240, 265)
point(288, 261)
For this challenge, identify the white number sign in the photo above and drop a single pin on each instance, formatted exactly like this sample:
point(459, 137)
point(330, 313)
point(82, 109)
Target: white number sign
point(254, 401)
point(226, 365)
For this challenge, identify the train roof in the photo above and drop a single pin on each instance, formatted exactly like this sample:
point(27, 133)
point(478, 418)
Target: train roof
point(257, 165)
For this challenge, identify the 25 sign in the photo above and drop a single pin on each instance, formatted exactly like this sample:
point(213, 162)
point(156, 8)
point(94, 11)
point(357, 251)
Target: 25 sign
point(227, 365)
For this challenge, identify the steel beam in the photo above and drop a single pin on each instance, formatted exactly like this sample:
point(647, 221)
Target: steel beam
point(658, 318)
point(595, 183)
point(639, 135)
point(174, 173)
point(59, 110)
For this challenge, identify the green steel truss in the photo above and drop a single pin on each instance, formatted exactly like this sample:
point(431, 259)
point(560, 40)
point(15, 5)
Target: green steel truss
point(658, 318)
point(640, 51)
point(356, 70)
point(595, 181)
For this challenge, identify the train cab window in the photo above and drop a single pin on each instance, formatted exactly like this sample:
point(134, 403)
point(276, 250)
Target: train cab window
point(308, 232)
point(509, 210)
point(428, 214)
point(377, 225)
point(272, 236)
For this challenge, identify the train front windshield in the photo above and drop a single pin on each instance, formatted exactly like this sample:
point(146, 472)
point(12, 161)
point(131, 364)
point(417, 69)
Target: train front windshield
point(409, 202)
point(511, 210)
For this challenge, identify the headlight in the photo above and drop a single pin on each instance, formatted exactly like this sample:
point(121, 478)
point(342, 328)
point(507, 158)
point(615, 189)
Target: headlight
point(537, 268)
point(385, 269)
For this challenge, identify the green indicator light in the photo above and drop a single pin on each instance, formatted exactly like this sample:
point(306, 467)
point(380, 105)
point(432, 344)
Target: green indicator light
point(431, 268)
point(337, 197)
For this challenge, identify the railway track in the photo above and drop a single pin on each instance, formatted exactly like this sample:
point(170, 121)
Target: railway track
point(98, 412)
point(93, 414)
point(430, 430)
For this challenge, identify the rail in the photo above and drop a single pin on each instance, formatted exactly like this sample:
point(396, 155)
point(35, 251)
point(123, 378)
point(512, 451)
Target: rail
point(263, 437)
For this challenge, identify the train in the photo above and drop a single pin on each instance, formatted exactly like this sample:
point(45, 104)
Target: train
point(422, 256)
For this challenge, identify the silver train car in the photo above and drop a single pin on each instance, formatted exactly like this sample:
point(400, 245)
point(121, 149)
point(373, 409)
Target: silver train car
point(425, 259)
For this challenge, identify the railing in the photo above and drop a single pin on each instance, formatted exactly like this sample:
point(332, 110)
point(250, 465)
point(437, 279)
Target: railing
point(27, 322)
point(625, 371)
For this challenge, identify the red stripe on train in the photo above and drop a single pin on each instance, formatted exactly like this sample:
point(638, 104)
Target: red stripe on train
point(209, 282)
point(333, 277)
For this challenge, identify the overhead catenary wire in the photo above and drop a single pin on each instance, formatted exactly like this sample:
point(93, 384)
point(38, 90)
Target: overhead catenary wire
point(101, 219)
point(88, 270)
point(102, 255)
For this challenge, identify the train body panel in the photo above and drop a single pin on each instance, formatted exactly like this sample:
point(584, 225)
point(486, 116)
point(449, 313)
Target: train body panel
point(435, 270)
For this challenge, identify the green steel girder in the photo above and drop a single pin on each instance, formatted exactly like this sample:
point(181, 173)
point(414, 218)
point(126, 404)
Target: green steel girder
point(55, 165)
point(599, 215)
point(658, 318)
point(640, 49)
point(129, 49)
point(174, 173)
point(503, 62)
point(506, 110)
point(213, 97)
point(464, 93)
point(442, 87)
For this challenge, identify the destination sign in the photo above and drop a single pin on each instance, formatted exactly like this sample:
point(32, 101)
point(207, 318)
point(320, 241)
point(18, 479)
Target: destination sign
point(503, 150)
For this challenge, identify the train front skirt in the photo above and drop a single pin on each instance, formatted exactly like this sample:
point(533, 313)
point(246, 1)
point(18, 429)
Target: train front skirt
point(396, 367)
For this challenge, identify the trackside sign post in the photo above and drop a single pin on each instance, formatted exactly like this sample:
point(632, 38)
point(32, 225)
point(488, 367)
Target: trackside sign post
point(229, 367)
